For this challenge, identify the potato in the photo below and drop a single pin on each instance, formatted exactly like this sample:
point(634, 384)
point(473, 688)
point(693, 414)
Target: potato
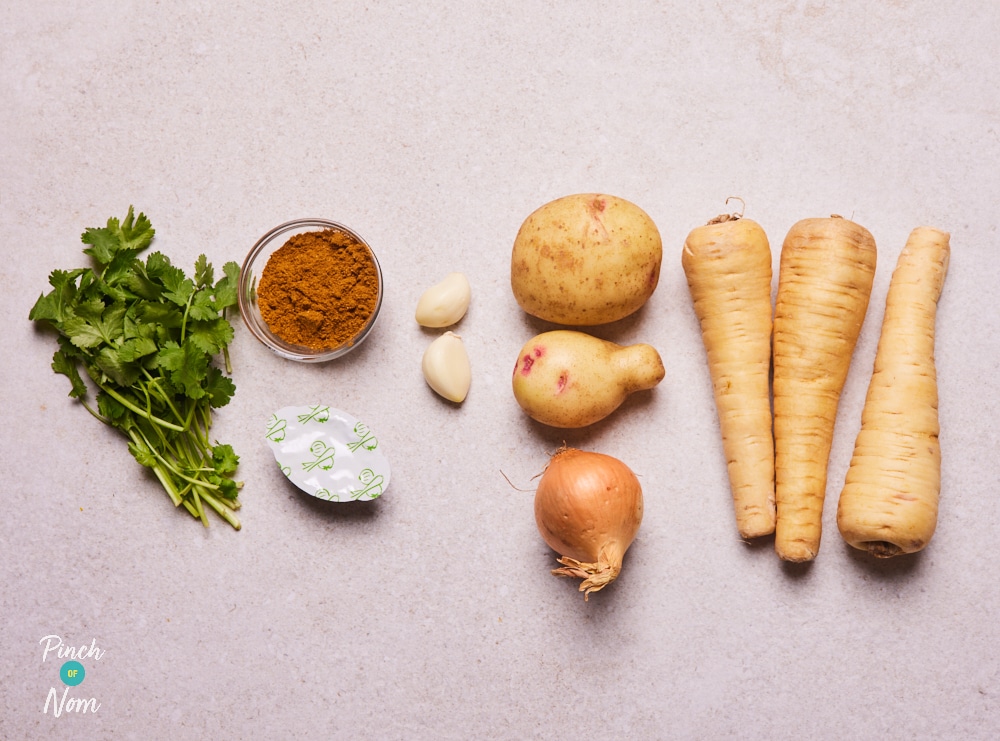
point(567, 378)
point(585, 259)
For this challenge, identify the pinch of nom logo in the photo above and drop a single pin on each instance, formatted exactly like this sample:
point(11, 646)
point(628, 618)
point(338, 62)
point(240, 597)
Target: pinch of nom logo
point(71, 673)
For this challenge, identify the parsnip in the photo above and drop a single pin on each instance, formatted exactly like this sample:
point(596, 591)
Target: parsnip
point(728, 267)
point(889, 504)
point(824, 283)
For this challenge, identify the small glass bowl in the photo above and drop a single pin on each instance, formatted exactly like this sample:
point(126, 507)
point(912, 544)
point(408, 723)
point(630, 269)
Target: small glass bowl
point(252, 268)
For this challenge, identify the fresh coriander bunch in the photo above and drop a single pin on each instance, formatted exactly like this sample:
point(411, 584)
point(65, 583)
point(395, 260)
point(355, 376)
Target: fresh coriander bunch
point(147, 335)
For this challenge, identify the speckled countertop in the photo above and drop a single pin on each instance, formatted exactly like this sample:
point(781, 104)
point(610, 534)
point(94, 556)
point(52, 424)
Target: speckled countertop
point(433, 129)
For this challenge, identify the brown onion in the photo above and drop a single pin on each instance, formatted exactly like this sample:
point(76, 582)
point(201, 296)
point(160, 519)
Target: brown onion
point(588, 507)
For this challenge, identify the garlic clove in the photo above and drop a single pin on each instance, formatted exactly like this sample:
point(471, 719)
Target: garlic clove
point(446, 367)
point(445, 303)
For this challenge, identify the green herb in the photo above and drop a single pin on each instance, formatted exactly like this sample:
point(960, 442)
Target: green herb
point(146, 334)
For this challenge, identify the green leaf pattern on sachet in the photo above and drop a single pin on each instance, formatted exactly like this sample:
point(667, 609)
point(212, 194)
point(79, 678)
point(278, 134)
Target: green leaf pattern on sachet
point(276, 429)
point(328, 453)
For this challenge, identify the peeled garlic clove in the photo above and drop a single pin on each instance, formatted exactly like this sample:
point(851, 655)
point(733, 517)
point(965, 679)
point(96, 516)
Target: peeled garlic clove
point(445, 303)
point(446, 367)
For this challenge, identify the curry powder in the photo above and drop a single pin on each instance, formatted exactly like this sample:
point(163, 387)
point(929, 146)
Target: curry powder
point(319, 289)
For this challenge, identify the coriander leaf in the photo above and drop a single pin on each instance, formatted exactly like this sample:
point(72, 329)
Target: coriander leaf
point(218, 388)
point(52, 306)
point(132, 327)
point(227, 487)
point(141, 452)
point(227, 287)
point(135, 348)
point(70, 350)
point(81, 332)
point(48, 308)
point(224, 459)
point(61, 279)
point(136, 234)
point(112, 409)
point(121, 268)
point(210, 336)
point(92, 288)
point(103, 242)
point(122, 372)
point(94, 323)
point(67, 366)
point(186, 366)
point(139, 283)
point(161, 313)
point(95, 373)
point(131, 234)
point(90, 310)
point(178, 288)
point(112, 322)
point(202, 307)
point(170, 357)
point(203, 272)
point(156, 264)
point(117, 293)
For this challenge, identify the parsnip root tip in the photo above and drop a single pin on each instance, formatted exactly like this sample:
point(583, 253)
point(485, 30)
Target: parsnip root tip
point(752, 533)
point(882, 549)
point(797, 552)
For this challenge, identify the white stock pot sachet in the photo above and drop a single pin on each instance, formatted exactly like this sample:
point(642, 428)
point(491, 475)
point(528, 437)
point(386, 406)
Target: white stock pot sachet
point(328, 453)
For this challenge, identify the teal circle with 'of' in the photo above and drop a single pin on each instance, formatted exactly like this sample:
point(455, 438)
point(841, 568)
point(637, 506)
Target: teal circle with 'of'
point(72, 673)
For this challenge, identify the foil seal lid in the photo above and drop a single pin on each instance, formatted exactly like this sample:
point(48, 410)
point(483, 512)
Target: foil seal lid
point(328, 453)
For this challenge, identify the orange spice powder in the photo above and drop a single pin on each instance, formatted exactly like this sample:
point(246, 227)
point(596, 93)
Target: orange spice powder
point(319, 289)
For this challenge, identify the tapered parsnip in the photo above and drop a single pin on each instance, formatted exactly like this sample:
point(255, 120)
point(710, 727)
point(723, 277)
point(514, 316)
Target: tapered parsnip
point(889, 504)
point(824, 283)
point(728, 267)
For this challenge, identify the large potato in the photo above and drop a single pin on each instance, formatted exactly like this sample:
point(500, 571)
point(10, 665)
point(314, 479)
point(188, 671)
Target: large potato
point(585, 259)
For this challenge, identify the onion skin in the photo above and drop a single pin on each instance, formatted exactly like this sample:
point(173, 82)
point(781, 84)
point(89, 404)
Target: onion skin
point(588, 508)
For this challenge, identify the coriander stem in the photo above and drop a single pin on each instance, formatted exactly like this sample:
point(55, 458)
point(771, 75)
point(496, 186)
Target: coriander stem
point(165, 398)
point(199, 507)
point(184, 321)
point(188, 448)
point(224, 512)
point(174, 470)
point(164, 478)
point(96, 415)
point(199, 426)
point(189, 418)
point(142, 413)
point(225, 349)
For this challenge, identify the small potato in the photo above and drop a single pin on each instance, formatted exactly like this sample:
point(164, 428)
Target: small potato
point(585, 259)
point(567, 378)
